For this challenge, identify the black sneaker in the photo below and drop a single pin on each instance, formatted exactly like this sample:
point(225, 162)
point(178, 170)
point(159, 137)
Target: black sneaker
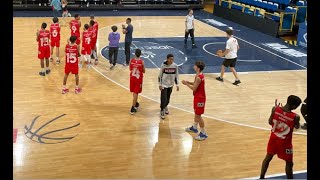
point(304, 126)
point(194, 45)
point(133, 110)
point(48, 71)
point(137, 105)
point(219, 79)
point(58, 61)
point(236, 82)
point(42, 74)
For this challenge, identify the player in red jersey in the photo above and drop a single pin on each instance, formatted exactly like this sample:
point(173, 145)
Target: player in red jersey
point(75, 25)
point(55, 38)
point(136, 67)
point(43, 39)
point(199, 100)
point(72, 50)
point(282, 120)
point(86, 45)
point(94, 30)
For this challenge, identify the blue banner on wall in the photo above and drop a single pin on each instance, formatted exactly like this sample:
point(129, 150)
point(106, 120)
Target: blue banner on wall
point(302, 35)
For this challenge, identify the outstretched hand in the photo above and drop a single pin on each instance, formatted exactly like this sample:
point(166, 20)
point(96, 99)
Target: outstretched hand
point(276, 103)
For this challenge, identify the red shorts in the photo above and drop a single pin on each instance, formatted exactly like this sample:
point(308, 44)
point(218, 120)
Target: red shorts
point(86, 50)
point(135, 86)
point(74, 69)
point(55, 43)
point(199, 105)
point(44, 52)
point(93, 43)
point(280, 147)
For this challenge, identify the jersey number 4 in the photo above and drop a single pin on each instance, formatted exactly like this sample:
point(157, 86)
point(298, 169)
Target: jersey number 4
point(135, 73)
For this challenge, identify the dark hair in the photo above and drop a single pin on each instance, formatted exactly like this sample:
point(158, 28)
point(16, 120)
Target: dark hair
point(55, 20)
point(86, 26)
point(91, 22)
point(129, 19)
point(138, 52)
point(44, 25)
point(76, 15)
point(91, 16)
point(73, 39)
point(229, 32)
point(190, 9)
point(114, 28)
point(200, 65)
point(293, 102)
point(169, 56)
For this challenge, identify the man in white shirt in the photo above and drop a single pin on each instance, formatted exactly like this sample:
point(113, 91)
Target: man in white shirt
point(189, 28)
point(230, 54)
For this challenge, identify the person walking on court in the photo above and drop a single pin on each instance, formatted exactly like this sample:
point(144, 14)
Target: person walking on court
point(199, 100)
point(282, 120)
point(230, 54)
point(113, 38)
point(168, 76)
point(127, 40)
point(137, 70)
point(189, 23)
point(56, 7)
point(304, 111)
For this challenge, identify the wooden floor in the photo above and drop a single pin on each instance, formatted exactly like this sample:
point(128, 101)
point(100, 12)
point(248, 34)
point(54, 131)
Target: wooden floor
point(111, 143)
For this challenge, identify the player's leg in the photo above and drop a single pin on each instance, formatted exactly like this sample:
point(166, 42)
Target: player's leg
point(134, 102)
point(225, 63)
point(46, 57)
point(194, 127)
point(111, 53)
point(192, 37)
point(186, 35)
point(65, 78)
point(163, 101)
point(199, 109)
point(57, 52)
point(127, 53)
point(232, 65)
point(289, 167)
point(42, 72)
point(95, 53)
point(51, 50)
point(115, 56)
point(169, 91)
point(77, 89)
point(265, 165)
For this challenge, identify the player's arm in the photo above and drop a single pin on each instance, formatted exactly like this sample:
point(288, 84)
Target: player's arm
point(185, 23)
point(195, 85)
point(124, 30)
point(297, 122)
point(130, 67)
point(160, 77)
point(271, 115)
point(226, 51)
point(143, 68)
point(37, 35)
point(193, 24)
point(79, 24)
point(176, 79)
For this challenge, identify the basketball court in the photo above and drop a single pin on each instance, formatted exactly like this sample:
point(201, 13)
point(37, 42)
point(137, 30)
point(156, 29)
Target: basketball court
point(91, 135)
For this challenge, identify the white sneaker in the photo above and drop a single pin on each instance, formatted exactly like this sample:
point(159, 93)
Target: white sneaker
point(162, 114)
point(166, 110)
point(201, 137)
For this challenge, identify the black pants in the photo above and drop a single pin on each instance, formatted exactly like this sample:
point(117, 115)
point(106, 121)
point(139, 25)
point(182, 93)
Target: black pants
point(304, 112)
point(113, 51)
point(127, 51)
point(165, 97)
point(186, 35)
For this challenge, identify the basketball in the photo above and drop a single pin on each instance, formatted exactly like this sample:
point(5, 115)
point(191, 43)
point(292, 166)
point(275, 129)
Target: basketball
point(219, 52)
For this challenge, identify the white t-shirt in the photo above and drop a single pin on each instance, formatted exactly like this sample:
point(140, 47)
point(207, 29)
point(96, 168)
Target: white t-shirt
point(189, 20)
point(232, 45)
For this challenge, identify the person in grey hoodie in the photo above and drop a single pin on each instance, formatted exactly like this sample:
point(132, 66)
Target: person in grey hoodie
point(168, 76)
point(113, 38)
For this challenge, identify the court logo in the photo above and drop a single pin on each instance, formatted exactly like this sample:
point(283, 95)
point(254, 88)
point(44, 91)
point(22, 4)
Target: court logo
point(214, 22)
point(153, 53)
point(37, 136)
point(284, 49)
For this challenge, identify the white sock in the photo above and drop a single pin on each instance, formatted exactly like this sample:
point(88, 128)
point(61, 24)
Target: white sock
point(64, 87)
point(94, 54)
point(203, 131)
point(57, 58)
point(77, 87)
point(195, 125)
point(42, 69)
point(47, 68)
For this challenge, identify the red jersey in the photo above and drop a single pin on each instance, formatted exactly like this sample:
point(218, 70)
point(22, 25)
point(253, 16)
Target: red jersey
point(43, 39)
point(136, 68)
point(94, 32)
point(200, 92)
point(55, 32)
point(71, 55)
point(96, 27)
point(282, 124)
point(86, 38)
point(75, 28)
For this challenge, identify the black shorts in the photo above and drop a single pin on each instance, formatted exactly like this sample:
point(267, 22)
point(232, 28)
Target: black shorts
point(229, 62)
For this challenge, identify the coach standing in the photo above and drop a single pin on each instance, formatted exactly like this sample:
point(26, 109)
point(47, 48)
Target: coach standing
point(127, 40)
point(189, 28)
point(56, 7)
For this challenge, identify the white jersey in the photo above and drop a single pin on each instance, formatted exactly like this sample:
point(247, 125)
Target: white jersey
point(232, 45)
point(189, 20)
